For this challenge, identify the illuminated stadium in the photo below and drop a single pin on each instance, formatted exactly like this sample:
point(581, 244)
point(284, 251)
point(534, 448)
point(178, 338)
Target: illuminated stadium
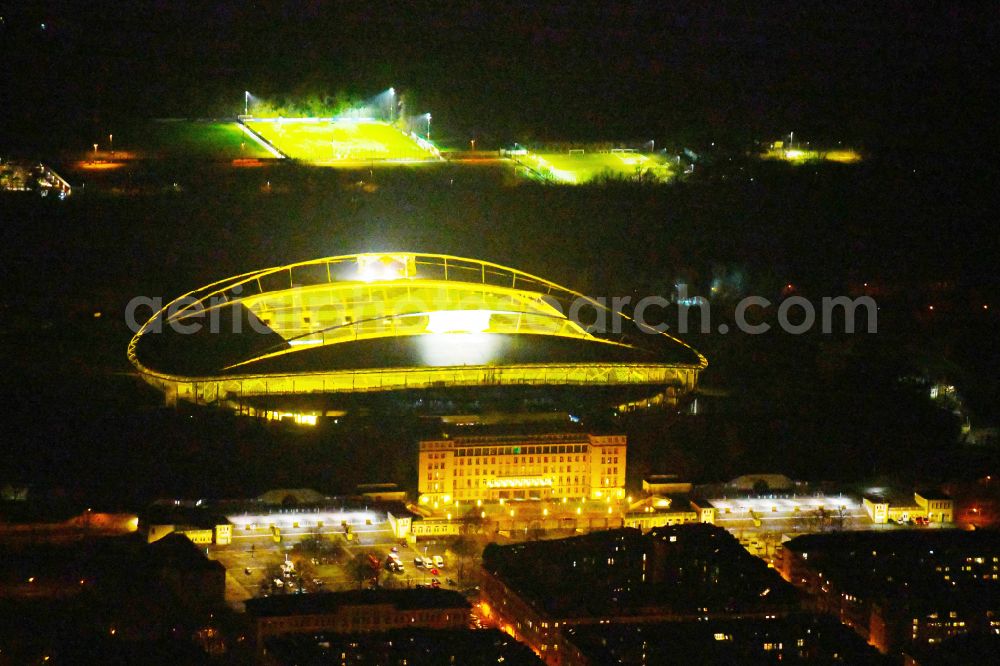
point(299, 342)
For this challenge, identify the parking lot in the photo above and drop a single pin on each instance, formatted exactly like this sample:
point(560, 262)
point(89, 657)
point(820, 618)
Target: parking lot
point(323, 558)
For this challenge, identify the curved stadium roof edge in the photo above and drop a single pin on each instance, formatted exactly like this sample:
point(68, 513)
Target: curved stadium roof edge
point(394, 321)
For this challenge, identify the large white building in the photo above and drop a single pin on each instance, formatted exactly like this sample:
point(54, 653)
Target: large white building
point(522, 467)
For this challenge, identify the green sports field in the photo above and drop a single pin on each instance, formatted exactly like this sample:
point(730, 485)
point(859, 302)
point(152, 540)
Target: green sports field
point(196, 139)
point(584, 167)
point(338, 141)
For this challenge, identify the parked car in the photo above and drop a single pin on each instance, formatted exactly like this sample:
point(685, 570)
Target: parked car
point(418, 562)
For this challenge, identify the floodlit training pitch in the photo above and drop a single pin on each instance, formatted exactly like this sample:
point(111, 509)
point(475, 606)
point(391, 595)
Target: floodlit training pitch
point(581, 167)
point(335, 141)
point(192, 139)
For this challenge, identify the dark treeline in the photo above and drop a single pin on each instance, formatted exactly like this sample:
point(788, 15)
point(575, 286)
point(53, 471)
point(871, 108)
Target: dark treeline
point(888, 75)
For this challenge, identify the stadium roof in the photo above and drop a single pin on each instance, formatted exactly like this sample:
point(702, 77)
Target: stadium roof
point(391, 321)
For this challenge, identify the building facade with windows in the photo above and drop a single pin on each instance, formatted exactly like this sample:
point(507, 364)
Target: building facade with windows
point(356, 612)
point(538, 591)
point(901, 589)
point(940, 508)
point(522, 467)
point(933, 506)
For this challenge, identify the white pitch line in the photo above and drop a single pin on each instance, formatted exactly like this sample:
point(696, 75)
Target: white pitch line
point(268, 147)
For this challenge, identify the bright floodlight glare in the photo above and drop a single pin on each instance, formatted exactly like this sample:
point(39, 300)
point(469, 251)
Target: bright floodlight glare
point(458, 321)
point(373, 268)
point(450, 349)
point(375, 273)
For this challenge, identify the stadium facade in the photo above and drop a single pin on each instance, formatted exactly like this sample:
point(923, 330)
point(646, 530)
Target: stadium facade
point(293, 342)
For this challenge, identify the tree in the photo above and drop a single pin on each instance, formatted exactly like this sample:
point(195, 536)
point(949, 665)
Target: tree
point(473, 523)
point(820, 519)
point(271, 573)
point(464, 548)
point(362, 571)
point(840, 515)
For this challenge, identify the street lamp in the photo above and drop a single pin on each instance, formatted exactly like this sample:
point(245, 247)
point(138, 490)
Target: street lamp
point(392, 104)
point(246, 102)
point(111, 144)
point(428, 117)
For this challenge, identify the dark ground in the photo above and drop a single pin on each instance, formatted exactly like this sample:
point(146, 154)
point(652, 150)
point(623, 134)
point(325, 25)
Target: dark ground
point(814, 406)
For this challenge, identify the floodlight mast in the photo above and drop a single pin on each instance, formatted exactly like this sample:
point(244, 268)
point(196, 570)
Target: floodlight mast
point(246, 102)
point(428, 117)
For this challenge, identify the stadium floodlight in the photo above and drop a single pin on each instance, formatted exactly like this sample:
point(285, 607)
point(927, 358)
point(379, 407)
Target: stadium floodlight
point(458, 349)
point(246, 102)
point(458, 321)
point(428, 117)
